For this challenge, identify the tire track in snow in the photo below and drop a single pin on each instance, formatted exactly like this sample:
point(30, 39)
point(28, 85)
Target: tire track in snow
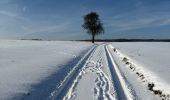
point(122, 90)
point(71, 92)
point(60, 91)
point(103, 84)
point(106, 87)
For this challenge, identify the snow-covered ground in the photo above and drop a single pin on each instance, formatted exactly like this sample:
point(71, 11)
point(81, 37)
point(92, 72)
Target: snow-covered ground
point(32, 69)
point(150, 59)
point(94, 81)
point(57, 70)
point(105, 77)
point(153, 56)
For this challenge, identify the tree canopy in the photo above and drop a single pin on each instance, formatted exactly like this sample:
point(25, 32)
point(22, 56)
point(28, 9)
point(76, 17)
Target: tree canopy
point(93, 25)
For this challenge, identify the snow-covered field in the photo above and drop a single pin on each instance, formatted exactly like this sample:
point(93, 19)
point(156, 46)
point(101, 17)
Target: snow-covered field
point(150, 59)
point(152, 56)
point(35, 68)
point(65, 70)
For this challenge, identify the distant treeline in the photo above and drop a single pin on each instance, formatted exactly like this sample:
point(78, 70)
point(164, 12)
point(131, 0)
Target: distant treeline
point(32, 39)
point(129, 40)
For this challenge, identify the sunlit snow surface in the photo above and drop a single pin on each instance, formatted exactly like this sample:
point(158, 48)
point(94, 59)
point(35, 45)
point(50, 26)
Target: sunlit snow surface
point(32, 70)
point(24, 65)
point(152, 58)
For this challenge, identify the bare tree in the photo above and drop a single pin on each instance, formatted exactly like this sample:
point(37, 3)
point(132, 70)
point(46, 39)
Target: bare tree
point(93, 25)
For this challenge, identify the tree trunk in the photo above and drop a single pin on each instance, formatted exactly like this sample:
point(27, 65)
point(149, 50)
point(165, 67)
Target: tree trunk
point(93, 38)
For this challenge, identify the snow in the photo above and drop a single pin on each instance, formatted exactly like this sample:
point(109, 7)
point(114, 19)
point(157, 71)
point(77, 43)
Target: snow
point(152, 59)
point(119, 80)
point(25, 65)
point(137, 89)
point(54, 70)
point(86, 84)
point(105, 77)
point(94, 81)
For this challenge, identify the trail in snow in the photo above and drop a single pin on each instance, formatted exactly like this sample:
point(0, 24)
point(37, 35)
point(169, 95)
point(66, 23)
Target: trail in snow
point(122, 90)
point(108, 83)
point(95, 77)
point(103, 87)
point(61, 90)
point(101, 74)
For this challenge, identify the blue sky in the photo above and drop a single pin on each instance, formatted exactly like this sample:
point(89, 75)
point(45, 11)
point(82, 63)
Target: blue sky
point(62, 19)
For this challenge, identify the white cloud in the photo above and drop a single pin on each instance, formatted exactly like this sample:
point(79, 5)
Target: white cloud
point(7, 13)
point(62, 27)
point(141, 22)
